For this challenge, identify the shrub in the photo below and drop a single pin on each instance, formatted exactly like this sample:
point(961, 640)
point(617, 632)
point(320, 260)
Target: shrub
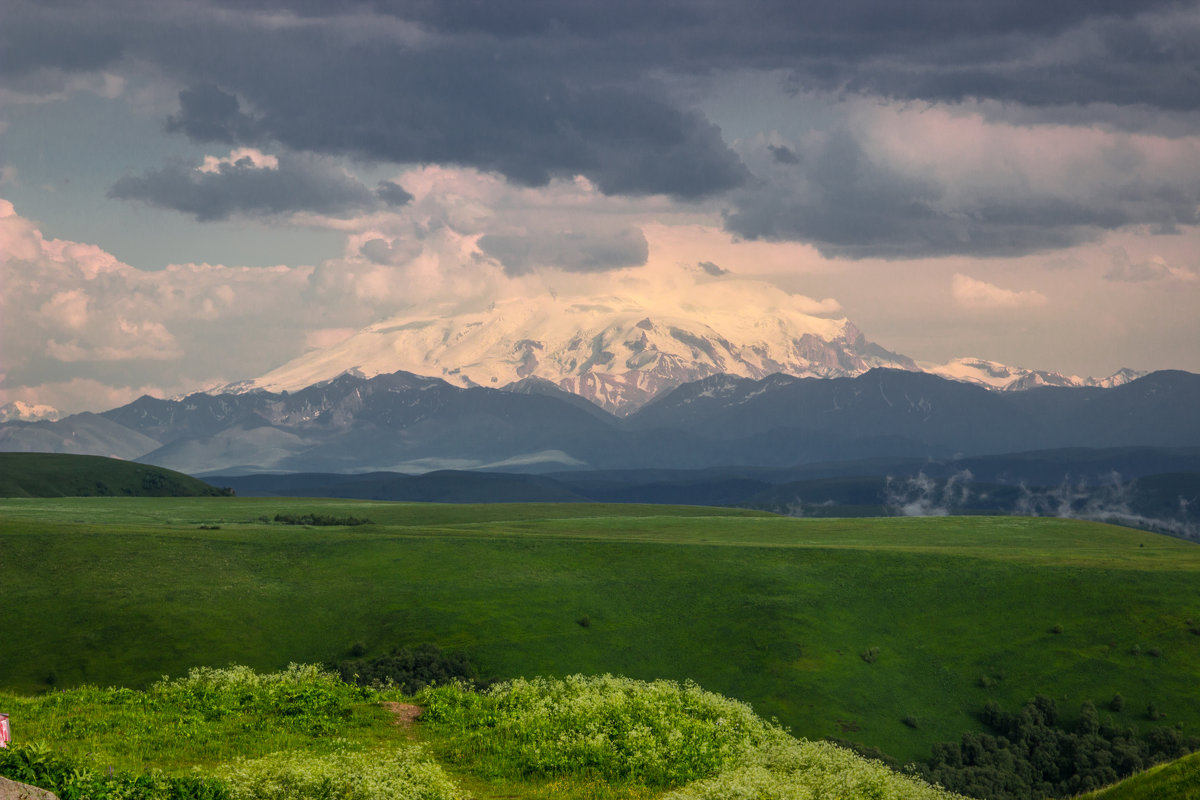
point(869, 655)
point(1117, 703)
point(799, 770)
point(302, 697)
point(661, 733)
point(404, 774)
point(911, 721)
point(866, 751)
point(319, 519)
point(410, 669)
point(39, 766)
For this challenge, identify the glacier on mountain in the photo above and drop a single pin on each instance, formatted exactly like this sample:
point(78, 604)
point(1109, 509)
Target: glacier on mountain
point(618, 352)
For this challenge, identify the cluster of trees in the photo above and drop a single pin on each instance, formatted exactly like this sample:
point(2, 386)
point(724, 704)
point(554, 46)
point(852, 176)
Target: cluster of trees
point(320, 519)
point(1031, 754)
point(409, 669)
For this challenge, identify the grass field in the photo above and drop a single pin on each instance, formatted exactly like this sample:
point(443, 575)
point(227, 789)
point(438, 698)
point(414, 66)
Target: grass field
point(304, 734)
point(774, 611)
point(68, 475)
point(1179, 780)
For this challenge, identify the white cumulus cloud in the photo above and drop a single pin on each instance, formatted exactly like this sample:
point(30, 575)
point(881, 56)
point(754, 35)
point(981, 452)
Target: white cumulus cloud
point(972, 293)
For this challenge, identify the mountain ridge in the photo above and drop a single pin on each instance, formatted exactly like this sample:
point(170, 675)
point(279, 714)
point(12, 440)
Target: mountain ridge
point(414, 424)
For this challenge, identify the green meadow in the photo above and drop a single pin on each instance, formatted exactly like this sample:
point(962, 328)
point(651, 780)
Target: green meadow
point(68, 475)
point(1178, 780)
point(889, 632)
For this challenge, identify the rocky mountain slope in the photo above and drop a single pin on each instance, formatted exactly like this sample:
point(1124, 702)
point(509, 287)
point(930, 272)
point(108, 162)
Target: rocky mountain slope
point(407, 423)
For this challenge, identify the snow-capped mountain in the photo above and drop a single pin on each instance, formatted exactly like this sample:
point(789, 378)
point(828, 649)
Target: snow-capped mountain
point(618, 352)
point(1002, 377)
point(20, 411)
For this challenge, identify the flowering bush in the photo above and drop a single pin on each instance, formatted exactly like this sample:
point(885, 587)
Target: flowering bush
point(303, 696)
point(661, 733)
point(404, 774)
point(803, 770)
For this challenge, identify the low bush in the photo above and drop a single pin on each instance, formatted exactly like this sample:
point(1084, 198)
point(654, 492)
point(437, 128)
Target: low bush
point(39, 766)
point(406, 773)
point(801, 770)
point(320, 519)
point(410, 669)
point(661, 733)
point(303, 696)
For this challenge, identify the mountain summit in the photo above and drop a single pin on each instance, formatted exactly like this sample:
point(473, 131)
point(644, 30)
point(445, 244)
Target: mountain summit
point(1003, 377)
point(618, 352)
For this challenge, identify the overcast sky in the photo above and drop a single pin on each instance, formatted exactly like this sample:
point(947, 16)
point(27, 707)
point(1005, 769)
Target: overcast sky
point(196, 192)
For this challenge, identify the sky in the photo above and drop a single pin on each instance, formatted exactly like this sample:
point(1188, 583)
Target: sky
point(194, 193)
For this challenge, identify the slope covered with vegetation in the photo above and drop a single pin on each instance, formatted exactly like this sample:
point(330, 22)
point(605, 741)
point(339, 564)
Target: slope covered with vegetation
point(1178, 780)
point(892, 633)
point(303, 734)
point(61, 475)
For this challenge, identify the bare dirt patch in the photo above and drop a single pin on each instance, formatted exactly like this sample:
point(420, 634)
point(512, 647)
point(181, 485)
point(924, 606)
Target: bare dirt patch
point(406, 714)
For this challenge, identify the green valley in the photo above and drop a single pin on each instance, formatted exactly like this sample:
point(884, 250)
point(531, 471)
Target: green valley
point(838, 628)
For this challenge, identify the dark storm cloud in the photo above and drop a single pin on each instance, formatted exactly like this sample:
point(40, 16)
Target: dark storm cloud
point(538, 88)
point(592, 251)
point(208, 114)
point(393, 193)
point(852, 206)
point(713, 269)
point(1026, 51)
point(297, 184)
point(1094, 50)
point(782, 154)
point(541, 89)
point(381, 251)
point(530, 127)
point(56, 36)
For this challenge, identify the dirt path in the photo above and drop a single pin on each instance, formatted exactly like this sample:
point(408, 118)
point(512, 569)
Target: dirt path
point(405, 713)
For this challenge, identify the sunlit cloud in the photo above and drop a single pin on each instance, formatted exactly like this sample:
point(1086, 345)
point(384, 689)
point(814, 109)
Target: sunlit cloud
point(973, 293)
point(241, 156)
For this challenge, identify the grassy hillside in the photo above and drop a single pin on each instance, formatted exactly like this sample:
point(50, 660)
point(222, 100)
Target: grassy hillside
point(890, 632)
point(1179, 780)
point(61, 475)
point(303, 734)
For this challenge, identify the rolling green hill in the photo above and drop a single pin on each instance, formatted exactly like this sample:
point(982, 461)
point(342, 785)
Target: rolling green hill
point(61, 475)
point(1179, 780)
point(304, 734)
point(890, 632)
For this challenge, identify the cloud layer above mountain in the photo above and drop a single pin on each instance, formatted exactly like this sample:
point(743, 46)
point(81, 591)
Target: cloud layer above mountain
point(927, 167)
point(615, 93)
